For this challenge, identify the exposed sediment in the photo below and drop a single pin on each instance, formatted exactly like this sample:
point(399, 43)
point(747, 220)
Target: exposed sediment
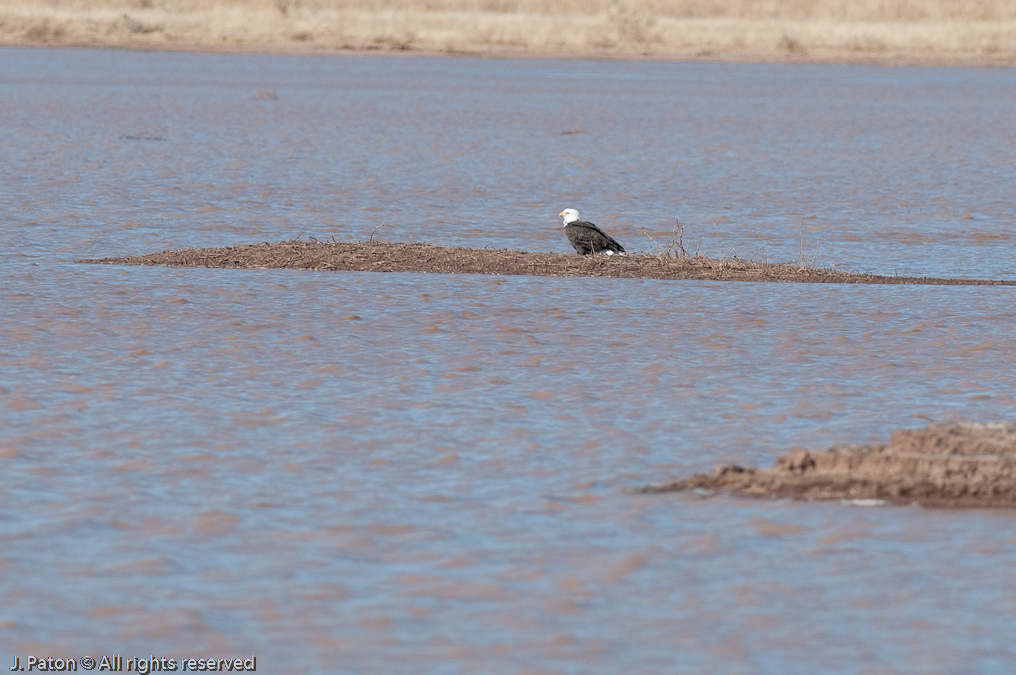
point(945, 32)
point(392, 257)
point(946, 465)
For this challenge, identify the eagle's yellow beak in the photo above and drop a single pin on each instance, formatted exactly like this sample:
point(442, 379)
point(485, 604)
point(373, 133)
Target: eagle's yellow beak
point(561, 215)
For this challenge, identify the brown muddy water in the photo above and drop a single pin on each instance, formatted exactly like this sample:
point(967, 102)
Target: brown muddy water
point(347, 472)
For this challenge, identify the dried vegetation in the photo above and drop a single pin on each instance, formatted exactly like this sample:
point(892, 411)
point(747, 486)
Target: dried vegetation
point(671, 262)
point(943, 31)
point(956, 465)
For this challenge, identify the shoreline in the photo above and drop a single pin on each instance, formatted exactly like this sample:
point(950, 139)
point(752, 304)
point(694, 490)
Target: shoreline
point(689, 56)
point(951, 465)
point(378, 256)
point(624, 31)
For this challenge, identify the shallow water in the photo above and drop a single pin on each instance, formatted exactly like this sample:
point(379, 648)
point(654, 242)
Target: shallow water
point(346, 472)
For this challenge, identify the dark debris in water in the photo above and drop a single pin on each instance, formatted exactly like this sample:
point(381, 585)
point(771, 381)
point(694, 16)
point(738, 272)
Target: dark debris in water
point(266, 95)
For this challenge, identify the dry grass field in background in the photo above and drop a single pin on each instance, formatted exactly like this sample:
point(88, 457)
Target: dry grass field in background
point(890, 31)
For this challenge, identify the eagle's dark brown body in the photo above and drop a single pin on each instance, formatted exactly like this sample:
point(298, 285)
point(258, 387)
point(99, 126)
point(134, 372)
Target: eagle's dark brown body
point(586, 238)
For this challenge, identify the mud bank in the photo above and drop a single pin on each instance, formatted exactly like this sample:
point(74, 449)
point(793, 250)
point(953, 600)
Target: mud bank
point(947, 465)
point(392, 257)
point(943, 32)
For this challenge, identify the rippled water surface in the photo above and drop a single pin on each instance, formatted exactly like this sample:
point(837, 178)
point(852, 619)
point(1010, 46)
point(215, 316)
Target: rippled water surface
point(406, 473)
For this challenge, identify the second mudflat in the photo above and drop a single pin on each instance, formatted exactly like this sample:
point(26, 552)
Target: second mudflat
point(958, 464)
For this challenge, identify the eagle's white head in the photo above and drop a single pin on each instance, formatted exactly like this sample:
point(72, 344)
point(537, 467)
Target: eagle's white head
point(569, 216)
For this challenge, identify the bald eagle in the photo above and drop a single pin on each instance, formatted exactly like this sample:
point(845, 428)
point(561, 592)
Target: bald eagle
point(586, 237)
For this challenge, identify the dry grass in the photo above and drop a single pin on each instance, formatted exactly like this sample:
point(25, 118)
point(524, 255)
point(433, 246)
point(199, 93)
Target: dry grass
point(812, 30)
point(950, 465)
point(380, 256)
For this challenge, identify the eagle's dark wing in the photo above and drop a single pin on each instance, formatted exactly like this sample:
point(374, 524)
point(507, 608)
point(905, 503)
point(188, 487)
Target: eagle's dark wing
point(586, 238)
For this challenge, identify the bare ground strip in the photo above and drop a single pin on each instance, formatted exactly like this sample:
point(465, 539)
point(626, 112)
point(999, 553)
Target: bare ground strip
point(945, 465)
point(421, 257)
